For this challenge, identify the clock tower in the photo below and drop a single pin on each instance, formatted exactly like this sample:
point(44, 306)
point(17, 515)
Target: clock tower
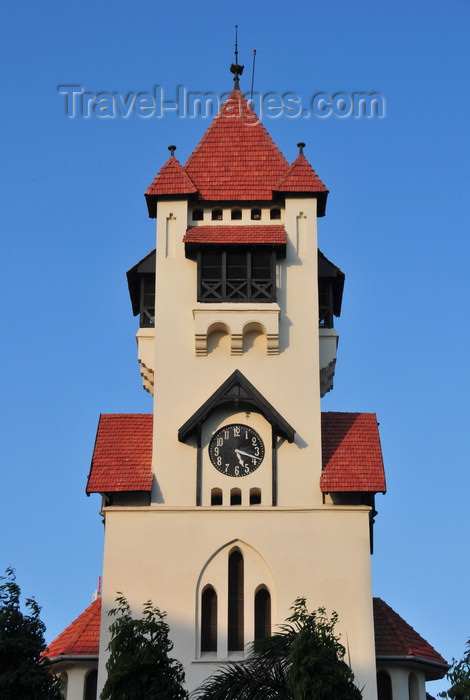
point(237, 495)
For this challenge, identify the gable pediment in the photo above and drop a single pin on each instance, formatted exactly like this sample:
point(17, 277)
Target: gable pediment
point(237, 393)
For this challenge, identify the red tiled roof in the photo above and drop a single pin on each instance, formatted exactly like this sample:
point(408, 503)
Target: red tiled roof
point(236, 234)
point(122, 458)
point(236, 158)
point(301, 177)
point(171, 179)
point(81, 637)
point(352, 456)
point(395, 637)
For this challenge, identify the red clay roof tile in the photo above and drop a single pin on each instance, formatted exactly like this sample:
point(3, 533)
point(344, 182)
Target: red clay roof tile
point(395, 637)
point(301, 177)
point(236, 158)
point(352, 456)
point(122, 458)
point(81, 637)
point(236, 234)
point(171, 179)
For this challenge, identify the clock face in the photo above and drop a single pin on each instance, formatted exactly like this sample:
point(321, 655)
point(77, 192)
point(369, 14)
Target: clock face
point(236, 450)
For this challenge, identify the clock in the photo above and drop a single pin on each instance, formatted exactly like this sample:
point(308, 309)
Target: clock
point(236, 450)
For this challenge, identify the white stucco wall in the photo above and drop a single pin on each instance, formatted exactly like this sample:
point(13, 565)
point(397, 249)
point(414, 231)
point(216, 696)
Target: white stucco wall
point(166, 554)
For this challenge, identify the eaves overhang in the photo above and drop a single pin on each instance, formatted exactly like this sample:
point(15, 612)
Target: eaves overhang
point(237, 393)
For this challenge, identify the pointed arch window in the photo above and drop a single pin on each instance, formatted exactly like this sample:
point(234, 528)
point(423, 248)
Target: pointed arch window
point(209, 620)
point(262, 614)
point(235, 602)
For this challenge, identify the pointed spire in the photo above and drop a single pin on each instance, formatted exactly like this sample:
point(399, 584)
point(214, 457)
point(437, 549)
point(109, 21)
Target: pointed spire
point(172, 150)
point(301, 147)
point(236, 68)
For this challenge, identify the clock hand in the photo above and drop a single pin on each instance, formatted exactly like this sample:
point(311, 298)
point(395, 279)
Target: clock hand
point(239, 458)
point(247, 454)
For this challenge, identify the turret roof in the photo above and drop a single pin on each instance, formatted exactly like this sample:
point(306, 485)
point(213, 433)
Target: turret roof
point(396, 639)
point(236, 160)
point(80, 638)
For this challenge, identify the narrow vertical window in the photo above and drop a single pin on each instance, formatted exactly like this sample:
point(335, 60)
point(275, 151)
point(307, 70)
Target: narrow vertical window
point(209, 620)
point(91, 685)
point(384, 686)
point(262, 614)
point(235, 602)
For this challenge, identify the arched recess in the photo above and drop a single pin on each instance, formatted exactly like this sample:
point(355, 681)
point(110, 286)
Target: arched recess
point(91, 681)
point(254, 337)
point(413, 687)
point(218, 338)
point(214, 574)
point(384, 686)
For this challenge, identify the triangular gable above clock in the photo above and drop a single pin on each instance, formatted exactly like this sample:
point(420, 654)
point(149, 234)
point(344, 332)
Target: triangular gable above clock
point(237, 392)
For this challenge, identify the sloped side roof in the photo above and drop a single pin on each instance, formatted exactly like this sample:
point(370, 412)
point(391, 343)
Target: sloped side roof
point(396, 638)
point(352, 456)
point(301, 177)
point(122, 458)
point(81, 637)
point(172, 179)
point(260, 234)
point(236, 158)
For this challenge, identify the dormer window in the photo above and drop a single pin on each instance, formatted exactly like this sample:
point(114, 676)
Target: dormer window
point(236, 274)
point(256, 214)
point(275, 213)
point(198, 214)
point(236, 214)
point(217, 215)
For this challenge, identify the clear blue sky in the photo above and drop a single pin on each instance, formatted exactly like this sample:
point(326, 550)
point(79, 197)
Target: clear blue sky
point(74, 220)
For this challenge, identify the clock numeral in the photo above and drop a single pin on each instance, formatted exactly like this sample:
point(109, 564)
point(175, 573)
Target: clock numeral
point(253, 441)
point(226, 434)
point(247, 469)
point(220, 442)
point(226, 468)
point(237, 470)
point(246, 434)
point(219, 461)
point(216, 451)
point(236, 431)
point(256, 450)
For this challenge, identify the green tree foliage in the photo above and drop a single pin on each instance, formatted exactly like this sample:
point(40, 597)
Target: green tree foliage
point(459, 677)
point(21, 643)
point(303, 661)
point(138, 666)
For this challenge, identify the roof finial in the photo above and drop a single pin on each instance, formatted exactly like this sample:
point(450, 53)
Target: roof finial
point(236, 68)
point(172, 150)
point(301, 147)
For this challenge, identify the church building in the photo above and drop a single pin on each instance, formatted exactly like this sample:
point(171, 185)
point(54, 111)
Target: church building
point(237, 494)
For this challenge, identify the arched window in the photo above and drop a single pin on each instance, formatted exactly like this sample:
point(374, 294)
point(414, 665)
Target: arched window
point(216, 497)
point(209, 620)
point(255, 497)
point(384, 686)
point(413, 687)
point(256, 214)
point(236, 214)
point(198, 214)
point(217, 215)
point(235, 497)
point(90, 685)
point(275, 213)
point(262, 614)
point(235, 602)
